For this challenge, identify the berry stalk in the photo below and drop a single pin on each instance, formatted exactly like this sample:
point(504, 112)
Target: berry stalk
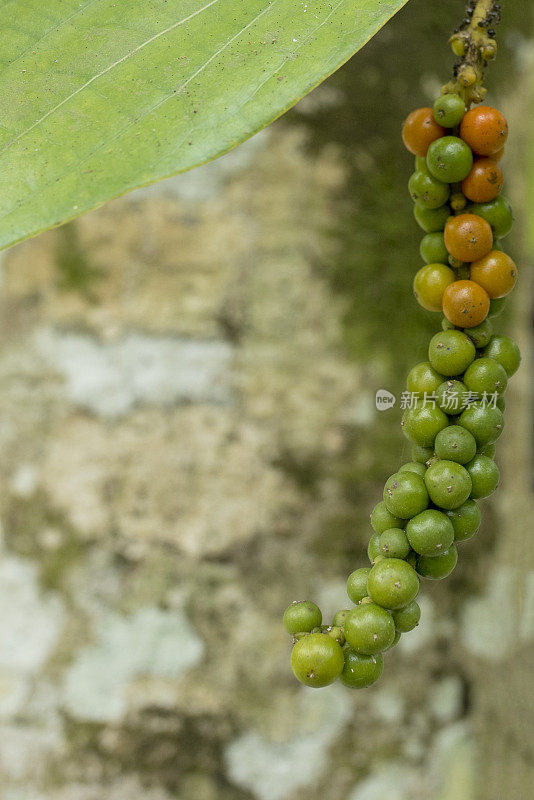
point(454, 403)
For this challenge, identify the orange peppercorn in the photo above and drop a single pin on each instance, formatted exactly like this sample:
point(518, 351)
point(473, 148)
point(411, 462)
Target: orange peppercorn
point(465, 304)
point(484, 129)
point(468, 237)
point(420, 129)
point(484, 182)
point(495, 272)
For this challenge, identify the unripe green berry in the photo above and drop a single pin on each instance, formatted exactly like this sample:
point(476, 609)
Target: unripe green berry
point(484, 474)
point(437, 567)
point(430, 532)
point(357, 584)
point(465, 520)
point(421, 454)
point(302, 616)
point(422, 378)
point(483, 421)
point(431, 219)
point(373, 548)
point(448, 484)
point(413, 466)
point(449, 110)
point(340, 616)
point(455, 443)
point(369, 628)
point(407, 618)
point(423, 422)
point(449, 159)
point(505, 351)
point(317, 660)
point(485, 376)
point(360, 670)
point(405, 494)
point(393, 583)
point(382, 519)
point(480, 334)
point(394, 544)
point(451, 352)
point(432, 248)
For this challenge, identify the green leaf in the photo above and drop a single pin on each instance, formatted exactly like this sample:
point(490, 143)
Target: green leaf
point(99, 97)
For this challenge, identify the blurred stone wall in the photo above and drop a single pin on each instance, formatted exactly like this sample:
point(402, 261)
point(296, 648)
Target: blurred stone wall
point(190, 442)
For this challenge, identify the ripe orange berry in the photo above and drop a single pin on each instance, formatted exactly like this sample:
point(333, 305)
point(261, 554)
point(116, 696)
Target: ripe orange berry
point(468, 237)
point(465, 304)
point(495, 272)
point(429, 284)
point(420, 129)
point(484, 129)
point(498, 155)
point(484, 182)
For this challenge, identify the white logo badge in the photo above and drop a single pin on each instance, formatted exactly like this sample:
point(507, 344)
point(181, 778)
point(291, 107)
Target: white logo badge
point(384, 400)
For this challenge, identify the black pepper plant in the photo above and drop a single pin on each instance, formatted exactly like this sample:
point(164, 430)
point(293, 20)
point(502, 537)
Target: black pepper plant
point(454, 401)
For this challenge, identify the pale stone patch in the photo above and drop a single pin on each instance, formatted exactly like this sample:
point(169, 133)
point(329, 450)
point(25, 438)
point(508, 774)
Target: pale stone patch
point(271, 769)
point(392, 781)
point(148, 643)
point(425, 632)
point(445, 698)
point(125, 788)
point(30, 625)
point(110, 378)
point(489, 622)
point(526, 623)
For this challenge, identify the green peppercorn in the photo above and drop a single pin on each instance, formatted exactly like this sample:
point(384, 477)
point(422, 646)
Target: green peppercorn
point(421, 454)
point(437, 567)
point(373, 548)
point(485, 376)
point(407, 618)
point(423, 379)
point(369, 629)
point(449, 159)
point(393, 583)
point(497, 304)
point(423, 422)
point(382, 519)
point(302, 616)
point(505, 351)
point(413, 466)
point(451, 352)
point(449, 110)
point(483, 421)
point(455, 443)
point(451, 396)
point(394, 544)
point(317, 660)
point(484, 474)
point(480, 334)
point(448, 484)
point(360, 670)
point(431, 219)
point(432, 248)
point(357, 583)
point(430, 532)
point(498, 213)
point(465, 520)
point(405, 494)
point(340, 616)
point(427, 190)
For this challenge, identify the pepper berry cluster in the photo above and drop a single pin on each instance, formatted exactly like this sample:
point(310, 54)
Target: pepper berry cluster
point(430, 504)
